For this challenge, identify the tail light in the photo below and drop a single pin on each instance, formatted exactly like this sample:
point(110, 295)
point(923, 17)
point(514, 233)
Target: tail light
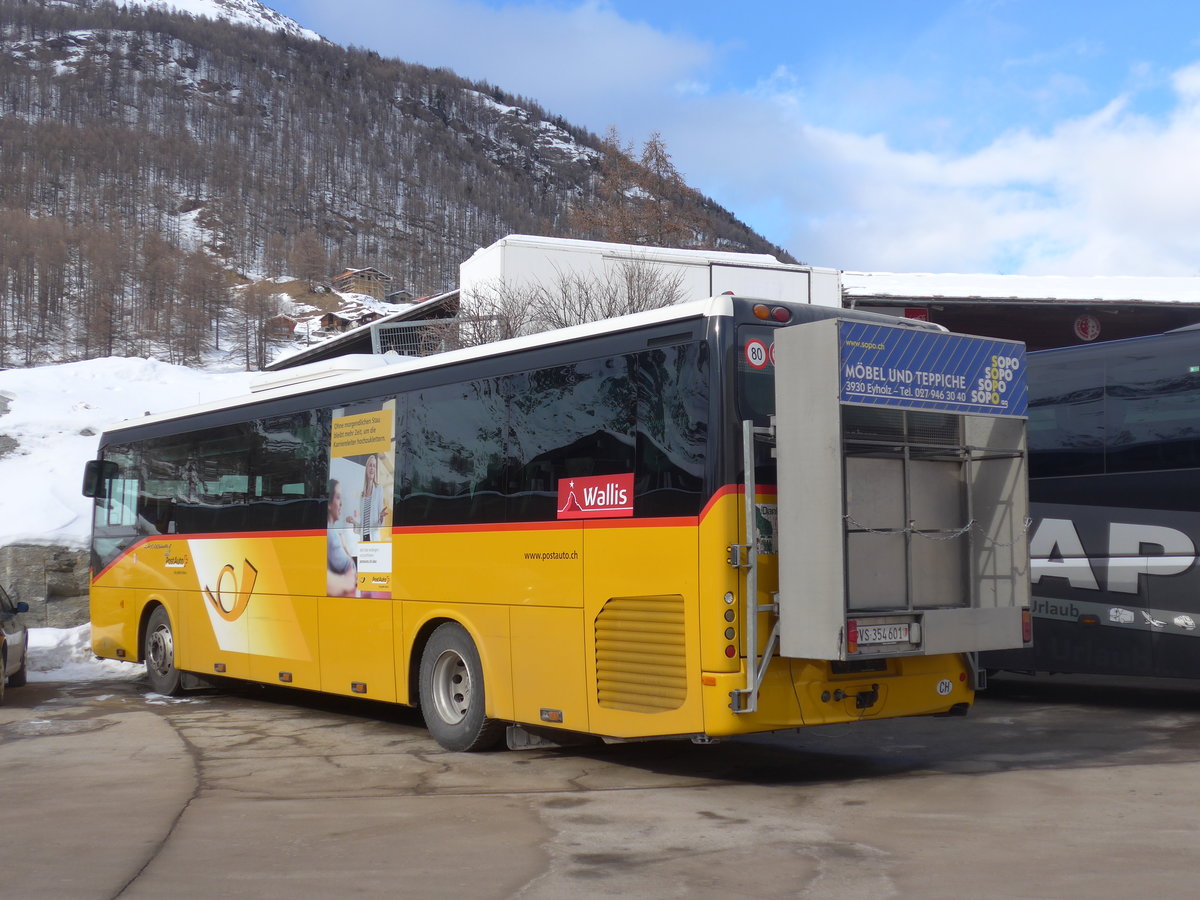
point(1026, 625)
point(851, 636)
point(777, 313)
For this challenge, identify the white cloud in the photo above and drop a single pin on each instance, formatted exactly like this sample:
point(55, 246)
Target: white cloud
point(1113, 192)
point(1187, 84)
point(1074, 48)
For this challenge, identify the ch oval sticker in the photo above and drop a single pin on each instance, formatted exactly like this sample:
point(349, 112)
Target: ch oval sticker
point(945, 686)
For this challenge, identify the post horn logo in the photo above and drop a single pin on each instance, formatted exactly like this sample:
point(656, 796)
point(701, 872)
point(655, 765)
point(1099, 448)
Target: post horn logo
point(232, 602)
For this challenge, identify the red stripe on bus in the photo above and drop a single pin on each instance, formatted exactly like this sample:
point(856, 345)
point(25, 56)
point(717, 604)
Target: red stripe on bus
point(548, 525)
point(213, 536)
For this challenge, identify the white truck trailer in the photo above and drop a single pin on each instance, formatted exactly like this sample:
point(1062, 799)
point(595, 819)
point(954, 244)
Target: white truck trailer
point(521, 260)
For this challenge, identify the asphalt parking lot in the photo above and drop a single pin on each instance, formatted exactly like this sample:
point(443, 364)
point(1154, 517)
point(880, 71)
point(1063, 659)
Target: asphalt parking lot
point(1053, 788)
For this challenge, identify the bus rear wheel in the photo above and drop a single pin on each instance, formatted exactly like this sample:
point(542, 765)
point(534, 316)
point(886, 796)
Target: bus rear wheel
point(159, 654)
point(452, 695)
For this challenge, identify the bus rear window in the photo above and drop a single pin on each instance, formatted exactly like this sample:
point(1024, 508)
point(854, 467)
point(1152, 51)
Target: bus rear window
point(756, 372)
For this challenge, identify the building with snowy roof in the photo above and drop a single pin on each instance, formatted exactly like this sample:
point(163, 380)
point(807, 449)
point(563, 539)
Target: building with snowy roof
point(1042, 310)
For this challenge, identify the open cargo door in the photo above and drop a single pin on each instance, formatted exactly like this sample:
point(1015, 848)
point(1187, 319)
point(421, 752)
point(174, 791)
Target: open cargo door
point(903, 497)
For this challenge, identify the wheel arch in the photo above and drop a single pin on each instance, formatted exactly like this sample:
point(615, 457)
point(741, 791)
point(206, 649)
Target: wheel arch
point(488, 628)
point(143, 621)
point(417, 650)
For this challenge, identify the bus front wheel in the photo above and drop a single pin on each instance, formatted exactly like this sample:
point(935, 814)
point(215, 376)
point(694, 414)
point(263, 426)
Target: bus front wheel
point(159, 654)
point(20, 678)
point(451, 686)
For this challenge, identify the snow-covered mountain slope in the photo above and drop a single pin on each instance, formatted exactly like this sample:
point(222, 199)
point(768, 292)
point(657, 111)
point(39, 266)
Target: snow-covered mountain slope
point(239, 12)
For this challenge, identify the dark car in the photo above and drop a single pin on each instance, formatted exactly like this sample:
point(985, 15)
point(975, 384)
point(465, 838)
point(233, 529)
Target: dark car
point(14, 643)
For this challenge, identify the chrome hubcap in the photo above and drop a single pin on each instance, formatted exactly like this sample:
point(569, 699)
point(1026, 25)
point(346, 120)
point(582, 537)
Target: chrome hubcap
point(451, 687)
point(160, 650)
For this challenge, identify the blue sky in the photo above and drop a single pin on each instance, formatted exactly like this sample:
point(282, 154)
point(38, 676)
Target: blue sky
point(1032, 136)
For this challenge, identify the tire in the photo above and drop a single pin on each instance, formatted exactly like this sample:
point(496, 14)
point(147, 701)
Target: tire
point(158, 652)
point(452, 692)
point(20, 677)
point(3, 680)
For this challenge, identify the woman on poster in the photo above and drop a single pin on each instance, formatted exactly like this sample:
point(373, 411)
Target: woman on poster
point(341, 571)
point(373, 511)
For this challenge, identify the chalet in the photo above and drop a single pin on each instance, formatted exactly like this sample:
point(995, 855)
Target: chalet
point(335, 322)
point(369, 281)
point(338, 322)
point(281, 327)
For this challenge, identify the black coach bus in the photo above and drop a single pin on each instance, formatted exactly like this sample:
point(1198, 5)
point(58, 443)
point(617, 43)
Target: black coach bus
point(1114, 461)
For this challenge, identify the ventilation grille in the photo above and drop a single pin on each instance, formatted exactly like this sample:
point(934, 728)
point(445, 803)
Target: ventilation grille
point(640, 663)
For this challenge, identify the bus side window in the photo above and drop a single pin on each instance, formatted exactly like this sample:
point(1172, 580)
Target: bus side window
point(672, 430)
point(162, 467)
point(566, 421)
point(217, 479)
point(1066, 420)
point(114, 525)
point(454, 455)
point(289, 466)
point(1151, 408)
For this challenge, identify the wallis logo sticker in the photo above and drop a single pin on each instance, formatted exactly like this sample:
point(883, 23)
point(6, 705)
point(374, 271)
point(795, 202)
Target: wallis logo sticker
point(596, 497)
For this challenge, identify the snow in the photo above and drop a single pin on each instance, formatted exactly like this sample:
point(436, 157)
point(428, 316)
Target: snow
point(550, 138)
point(497, 105)
point(237, 12)
point(56, 413)
point(79, 40)
point(65, 654)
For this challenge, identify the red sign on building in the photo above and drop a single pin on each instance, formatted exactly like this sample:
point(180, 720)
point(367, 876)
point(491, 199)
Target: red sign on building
point(1087, 328)
point(596, 497)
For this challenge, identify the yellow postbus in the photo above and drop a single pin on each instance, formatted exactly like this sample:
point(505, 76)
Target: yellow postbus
point(717, 518)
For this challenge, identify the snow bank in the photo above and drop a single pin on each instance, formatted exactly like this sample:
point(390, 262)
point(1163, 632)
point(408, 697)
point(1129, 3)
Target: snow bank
point(65, 654)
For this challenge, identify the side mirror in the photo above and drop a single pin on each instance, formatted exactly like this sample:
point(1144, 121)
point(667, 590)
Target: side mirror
point(97, 474)
point(22, 607)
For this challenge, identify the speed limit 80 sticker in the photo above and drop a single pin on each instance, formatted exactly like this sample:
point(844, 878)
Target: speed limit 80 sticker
point(757, 354)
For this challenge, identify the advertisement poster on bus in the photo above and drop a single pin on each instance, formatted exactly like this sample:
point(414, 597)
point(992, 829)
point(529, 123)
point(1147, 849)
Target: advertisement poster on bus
point(361, 477)
point(910, 368)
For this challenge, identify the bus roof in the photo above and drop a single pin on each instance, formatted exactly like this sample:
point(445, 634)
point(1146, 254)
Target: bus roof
point(332, 373)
